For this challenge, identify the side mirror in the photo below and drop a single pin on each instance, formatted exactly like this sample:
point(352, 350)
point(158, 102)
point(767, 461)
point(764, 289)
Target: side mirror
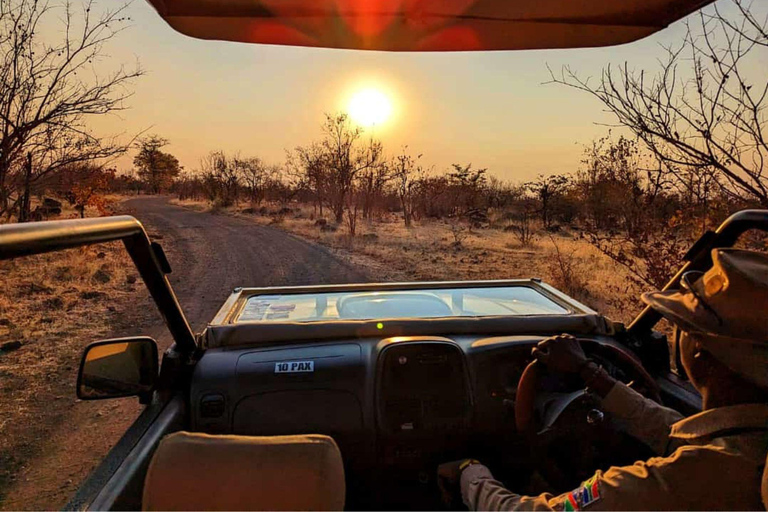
point(117, 368)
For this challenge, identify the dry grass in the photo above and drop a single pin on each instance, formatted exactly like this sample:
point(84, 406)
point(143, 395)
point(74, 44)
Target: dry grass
point(53, 305)
point(429, 251)
point(201, 206)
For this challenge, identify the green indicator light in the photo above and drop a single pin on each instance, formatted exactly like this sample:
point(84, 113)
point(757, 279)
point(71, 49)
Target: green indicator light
point(379, 326)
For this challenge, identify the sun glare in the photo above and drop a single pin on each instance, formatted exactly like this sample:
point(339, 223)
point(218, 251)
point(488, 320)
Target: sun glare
point(370, 107)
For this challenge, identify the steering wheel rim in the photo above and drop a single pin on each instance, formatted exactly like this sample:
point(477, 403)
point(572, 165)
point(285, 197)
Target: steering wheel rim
point(528, 386)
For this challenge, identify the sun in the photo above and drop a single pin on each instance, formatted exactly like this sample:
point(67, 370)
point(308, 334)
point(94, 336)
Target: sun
point(369, 107)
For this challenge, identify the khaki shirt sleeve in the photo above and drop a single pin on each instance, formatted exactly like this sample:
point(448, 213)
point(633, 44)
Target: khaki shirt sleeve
point(480, 491)
point(668, 483)
point(643, 418)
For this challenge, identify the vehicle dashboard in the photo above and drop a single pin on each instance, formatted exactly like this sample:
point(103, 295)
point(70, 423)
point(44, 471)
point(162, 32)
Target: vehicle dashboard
point(396, 406)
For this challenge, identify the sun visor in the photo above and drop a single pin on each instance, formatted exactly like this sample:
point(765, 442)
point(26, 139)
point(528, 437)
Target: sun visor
point(425, 25)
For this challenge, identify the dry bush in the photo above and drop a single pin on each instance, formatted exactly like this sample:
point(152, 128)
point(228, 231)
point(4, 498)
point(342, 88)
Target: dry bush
point(652, 252)
point(522, 228)
point(567, 273)
point(458, 231)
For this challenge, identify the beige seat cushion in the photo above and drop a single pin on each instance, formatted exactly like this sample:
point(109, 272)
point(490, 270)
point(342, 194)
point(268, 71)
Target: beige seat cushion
point(204, 472)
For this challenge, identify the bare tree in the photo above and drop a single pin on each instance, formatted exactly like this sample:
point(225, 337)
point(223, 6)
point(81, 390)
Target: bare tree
point(546, 190)
point(352, 212)
point(308, 166)
point(702, 113)
point(220, 177)
point(255, 176)
point(156, 168)
point(48, 90)
point(371, 183)
point(749, 26)
point(346, 158)
point(407, 174)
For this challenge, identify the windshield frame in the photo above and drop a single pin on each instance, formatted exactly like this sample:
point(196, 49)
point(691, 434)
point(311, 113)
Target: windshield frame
point(233, 307)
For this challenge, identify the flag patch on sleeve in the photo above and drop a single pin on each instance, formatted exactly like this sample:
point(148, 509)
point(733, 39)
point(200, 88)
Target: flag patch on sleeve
point(584, 496)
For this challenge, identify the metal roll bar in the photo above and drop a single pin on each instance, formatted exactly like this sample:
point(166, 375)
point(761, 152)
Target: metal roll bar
point(699, 257)
point(24, 239)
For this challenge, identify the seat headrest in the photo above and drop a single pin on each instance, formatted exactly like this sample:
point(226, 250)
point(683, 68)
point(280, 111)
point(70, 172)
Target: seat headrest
point(191, 471)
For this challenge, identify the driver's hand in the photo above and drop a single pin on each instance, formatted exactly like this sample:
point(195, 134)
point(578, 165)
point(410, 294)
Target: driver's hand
point(561, 354)
point(448, 480)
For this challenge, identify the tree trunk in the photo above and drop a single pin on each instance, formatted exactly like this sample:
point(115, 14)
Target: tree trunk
point(3, 191)
point(338, 212)
point(24, 208)
point(406, 212)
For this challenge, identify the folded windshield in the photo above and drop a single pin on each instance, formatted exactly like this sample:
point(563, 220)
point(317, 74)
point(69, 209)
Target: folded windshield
point(429, 303)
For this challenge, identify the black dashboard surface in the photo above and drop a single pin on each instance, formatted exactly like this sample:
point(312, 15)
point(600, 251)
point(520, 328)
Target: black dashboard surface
point(396, 406)
point(363, 392)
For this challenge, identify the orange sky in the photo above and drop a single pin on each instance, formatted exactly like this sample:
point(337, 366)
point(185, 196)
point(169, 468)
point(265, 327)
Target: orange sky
point(489, 108)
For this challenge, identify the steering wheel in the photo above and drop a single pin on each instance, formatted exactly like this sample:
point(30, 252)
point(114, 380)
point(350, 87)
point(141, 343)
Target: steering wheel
point(573, 420)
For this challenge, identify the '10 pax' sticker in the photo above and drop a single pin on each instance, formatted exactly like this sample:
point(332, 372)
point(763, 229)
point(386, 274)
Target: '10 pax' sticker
point(295, 367)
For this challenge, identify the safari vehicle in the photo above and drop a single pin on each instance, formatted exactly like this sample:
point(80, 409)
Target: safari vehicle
point(401, 376)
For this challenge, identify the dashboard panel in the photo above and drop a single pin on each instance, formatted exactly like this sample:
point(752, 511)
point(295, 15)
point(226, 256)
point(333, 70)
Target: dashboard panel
point(396, 406)
point(422, 386)
point(392, 388)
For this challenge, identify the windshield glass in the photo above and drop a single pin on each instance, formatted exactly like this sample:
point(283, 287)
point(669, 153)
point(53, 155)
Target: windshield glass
point(463, 302)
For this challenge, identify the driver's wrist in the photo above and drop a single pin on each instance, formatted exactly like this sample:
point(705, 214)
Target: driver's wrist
point(598, 381)
point(586, 367)
point(588, 371)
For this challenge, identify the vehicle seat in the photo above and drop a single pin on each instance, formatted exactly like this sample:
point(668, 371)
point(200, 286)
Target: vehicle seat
point(191, 471)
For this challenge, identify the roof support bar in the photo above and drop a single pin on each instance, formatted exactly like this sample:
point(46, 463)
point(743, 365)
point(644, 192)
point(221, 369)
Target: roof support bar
point(24, 239)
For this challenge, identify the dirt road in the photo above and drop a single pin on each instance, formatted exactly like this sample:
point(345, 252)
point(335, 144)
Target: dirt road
point(210, 255)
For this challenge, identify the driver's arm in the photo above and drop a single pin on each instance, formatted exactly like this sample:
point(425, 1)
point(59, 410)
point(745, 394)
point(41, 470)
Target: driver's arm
point(645, 485)
point(642, 418)
point(480, 491)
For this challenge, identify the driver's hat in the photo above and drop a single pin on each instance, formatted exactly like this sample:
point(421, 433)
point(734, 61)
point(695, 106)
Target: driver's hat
point(728, 304)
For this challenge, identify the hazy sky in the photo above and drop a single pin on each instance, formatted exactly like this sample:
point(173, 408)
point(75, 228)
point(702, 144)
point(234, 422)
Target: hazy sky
point(487, 108)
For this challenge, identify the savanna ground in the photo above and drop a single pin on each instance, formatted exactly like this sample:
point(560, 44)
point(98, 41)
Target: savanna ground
point(51, 305)
point(433, 250)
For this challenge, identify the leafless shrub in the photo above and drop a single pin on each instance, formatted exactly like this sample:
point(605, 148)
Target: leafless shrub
point(458, 230)
point(651, 254)
point(522, 222)
point(523, 230)
point(566, 273)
